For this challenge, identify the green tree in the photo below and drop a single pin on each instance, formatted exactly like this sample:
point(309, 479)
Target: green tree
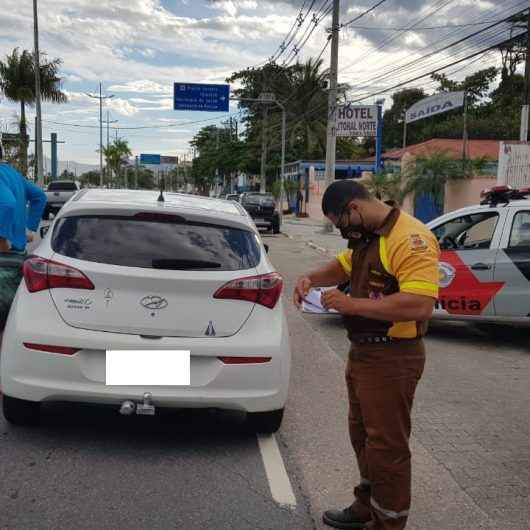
point(387, 186)
point(17, 83)
point(393, 118)
point(429, 175)
point(117, 155)
point(89, 179)
point(301, 88)
point(219, 154)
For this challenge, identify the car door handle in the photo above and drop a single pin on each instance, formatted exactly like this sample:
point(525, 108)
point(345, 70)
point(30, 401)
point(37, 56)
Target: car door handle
point(480, 267)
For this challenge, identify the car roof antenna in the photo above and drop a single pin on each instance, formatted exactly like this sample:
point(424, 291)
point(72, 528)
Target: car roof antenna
point(161, 196)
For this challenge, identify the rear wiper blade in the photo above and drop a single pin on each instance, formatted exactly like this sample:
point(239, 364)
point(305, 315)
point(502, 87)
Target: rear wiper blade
point(184, 264)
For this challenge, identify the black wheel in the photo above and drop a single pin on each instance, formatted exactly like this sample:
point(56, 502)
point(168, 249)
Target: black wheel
point(265, 422)
point(20, 411)
point(276, 228)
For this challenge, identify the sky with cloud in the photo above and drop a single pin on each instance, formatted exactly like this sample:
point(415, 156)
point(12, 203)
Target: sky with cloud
point(139, 48)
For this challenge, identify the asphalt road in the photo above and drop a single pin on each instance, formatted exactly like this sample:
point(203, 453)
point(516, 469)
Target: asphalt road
point(89, 468)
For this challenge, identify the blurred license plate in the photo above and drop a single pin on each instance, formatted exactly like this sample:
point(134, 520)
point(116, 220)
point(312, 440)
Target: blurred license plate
point(148, 367)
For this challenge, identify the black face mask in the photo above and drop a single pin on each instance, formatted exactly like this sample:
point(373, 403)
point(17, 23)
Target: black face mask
point(354, 232)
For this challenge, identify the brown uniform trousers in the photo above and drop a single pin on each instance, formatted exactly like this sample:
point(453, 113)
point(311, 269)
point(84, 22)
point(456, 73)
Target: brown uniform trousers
point(381, 382)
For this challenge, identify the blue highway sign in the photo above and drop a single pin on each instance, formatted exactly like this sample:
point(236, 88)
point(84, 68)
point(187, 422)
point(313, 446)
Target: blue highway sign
point(199, 97)
point(150, 159)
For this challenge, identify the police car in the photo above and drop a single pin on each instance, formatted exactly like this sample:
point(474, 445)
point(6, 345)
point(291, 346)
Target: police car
point(485, 259)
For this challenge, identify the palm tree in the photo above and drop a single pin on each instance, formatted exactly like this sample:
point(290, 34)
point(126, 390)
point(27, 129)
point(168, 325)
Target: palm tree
point(117, 154)
point(429, 175)
point(307, 93)
point(387, 186)
point(17, 83)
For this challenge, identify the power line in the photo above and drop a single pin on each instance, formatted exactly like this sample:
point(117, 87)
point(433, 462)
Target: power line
point(428, 74)
point(301, 22)
point(414, 64)
point(442, 4)
point(315, 21)
point(424, 28)
point(176, 124)
point(427, 47)
point(364, 13)
point(281, 47)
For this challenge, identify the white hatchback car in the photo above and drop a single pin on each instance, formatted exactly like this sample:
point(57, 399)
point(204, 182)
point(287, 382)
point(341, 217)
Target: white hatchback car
point(124, 270)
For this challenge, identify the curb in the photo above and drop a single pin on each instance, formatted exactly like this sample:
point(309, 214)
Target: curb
point(310, 244)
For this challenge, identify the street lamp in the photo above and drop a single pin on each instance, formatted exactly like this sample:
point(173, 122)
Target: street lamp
point(268, 98)
point(101, 98)
point(38, 129)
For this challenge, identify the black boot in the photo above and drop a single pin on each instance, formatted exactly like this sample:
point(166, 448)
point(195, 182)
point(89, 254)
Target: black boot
point(347, 519)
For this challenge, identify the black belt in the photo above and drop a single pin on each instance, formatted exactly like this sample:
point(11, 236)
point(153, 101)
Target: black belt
point(381, 339)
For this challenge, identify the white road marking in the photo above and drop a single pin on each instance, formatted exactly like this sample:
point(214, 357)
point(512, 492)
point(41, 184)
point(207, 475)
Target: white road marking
point(279, 483)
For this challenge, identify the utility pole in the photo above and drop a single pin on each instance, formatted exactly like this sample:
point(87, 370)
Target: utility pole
point(526, 96)
point(404, 131)
point(53, 141)
point(263, 172)
point(466, 135)
point(108, 122)
point(38, 132)
point(101, 97)
point(331, 142)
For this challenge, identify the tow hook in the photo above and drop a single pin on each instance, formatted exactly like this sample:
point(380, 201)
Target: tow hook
point(146, 408)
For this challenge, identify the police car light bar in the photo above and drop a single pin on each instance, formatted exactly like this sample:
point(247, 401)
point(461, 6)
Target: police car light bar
point(503, 194)
point(495, 190)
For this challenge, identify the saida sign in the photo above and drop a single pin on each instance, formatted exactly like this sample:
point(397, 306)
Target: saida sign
point(434, 105)
point(357, 121)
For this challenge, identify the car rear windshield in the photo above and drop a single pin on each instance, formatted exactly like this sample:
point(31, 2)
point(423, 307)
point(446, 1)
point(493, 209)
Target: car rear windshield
point(62, 186)
point(259, 199)
point(155, 244)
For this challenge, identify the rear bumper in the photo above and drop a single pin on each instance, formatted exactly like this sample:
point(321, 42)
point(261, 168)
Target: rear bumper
point(266, 220)
point(39, 376)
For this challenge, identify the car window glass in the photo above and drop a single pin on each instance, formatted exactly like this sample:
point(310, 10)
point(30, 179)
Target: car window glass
point(131, 242)
point(468, 232)
point(520, 235)
point(62, 186)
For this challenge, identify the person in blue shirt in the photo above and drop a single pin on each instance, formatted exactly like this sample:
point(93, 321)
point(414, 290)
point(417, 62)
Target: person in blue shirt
point(21, 207)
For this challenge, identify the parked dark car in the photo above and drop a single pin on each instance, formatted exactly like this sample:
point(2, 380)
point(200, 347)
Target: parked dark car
point(262, 209)
point(232, 197)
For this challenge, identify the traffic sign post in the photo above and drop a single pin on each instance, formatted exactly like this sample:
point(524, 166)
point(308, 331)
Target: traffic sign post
point(201, 97)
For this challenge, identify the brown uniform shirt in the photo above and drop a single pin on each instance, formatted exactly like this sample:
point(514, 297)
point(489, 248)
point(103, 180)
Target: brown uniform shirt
point(401, 257)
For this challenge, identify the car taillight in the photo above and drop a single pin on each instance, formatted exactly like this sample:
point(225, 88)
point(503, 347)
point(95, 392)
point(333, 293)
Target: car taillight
point(64, 350)
point(244, 360)
point(41, 274)
point(264, 289)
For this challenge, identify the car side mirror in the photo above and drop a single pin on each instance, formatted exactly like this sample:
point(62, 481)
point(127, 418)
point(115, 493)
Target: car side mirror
point(44, 231)
point(266, 248)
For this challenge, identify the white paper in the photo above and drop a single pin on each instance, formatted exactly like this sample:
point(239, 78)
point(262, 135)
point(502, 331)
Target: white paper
point(313, 304)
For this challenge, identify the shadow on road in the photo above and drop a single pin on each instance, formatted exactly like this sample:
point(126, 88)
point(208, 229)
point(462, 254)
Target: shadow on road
point(200, 430)
point(484, 334)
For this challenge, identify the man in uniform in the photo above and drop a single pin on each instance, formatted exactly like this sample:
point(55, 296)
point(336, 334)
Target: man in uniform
point(392, 267)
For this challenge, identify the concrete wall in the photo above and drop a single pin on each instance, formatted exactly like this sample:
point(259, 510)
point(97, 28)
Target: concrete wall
point(465, 192)
point(458, 194)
